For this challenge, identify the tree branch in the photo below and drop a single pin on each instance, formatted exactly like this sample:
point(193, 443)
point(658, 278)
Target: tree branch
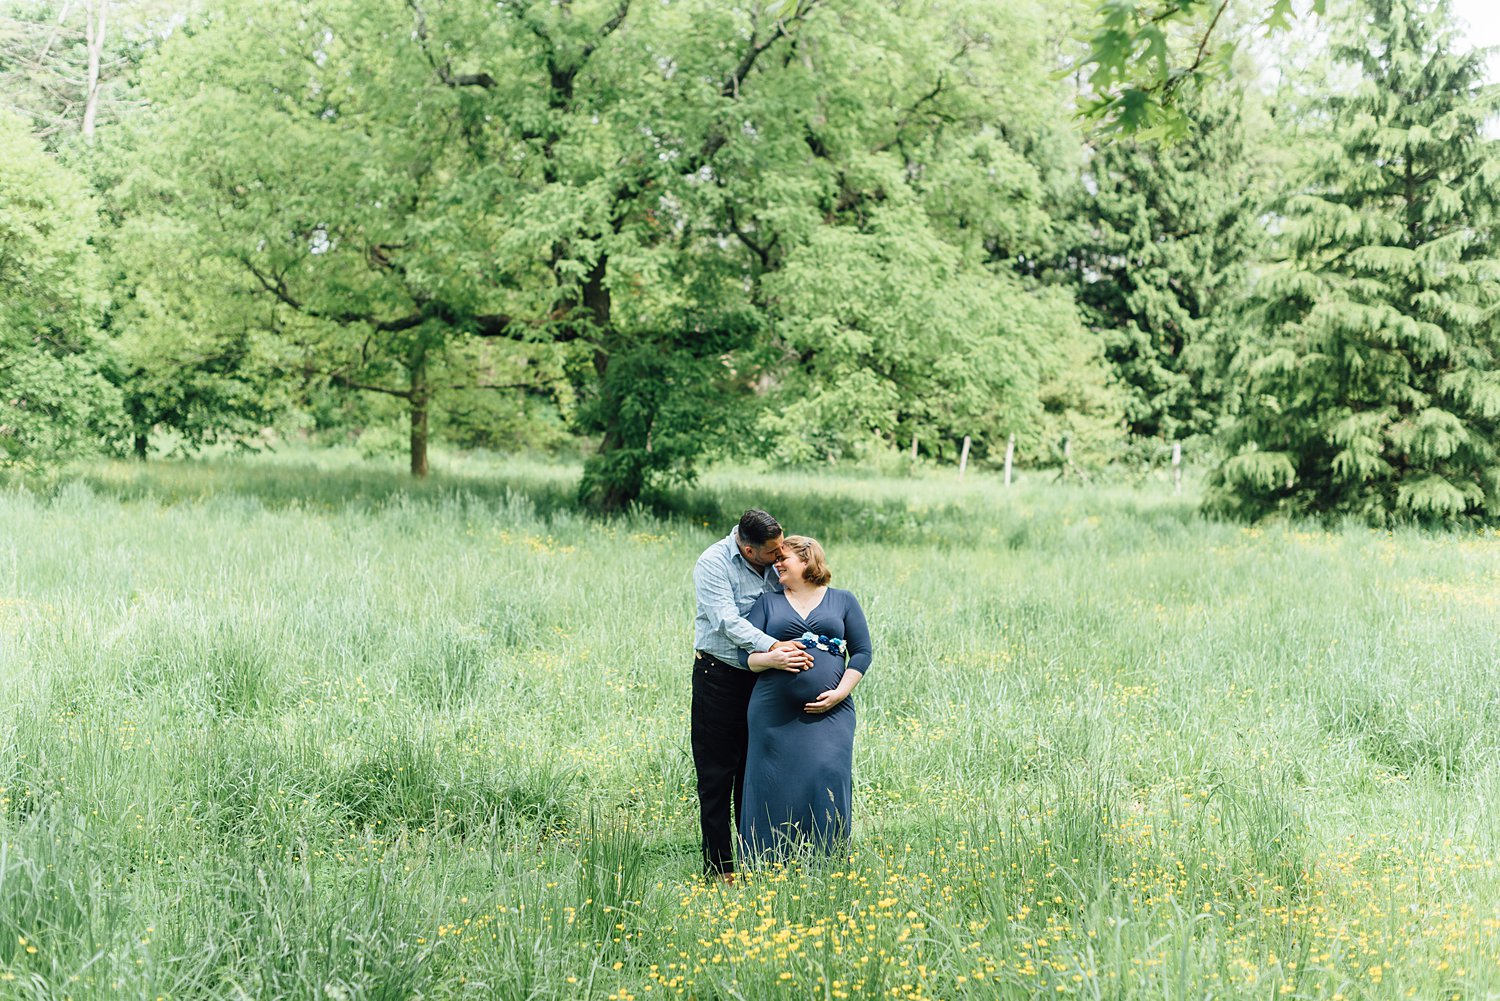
point(277, 287)
point(343, 380)
point(1209, 33)
point(910, 113)
point(62, 15)
point(731, 86)
point(514, 328)
point(444, 69)
point(481, 325)
point(606, 29)
point(497, 386)
point(761, 251)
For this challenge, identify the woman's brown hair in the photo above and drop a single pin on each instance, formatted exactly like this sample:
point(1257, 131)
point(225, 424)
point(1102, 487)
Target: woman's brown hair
point(816, 572)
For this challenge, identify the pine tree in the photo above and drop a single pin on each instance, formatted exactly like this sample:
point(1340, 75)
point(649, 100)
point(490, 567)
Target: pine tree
point(1162, 257)
point(1373, 389)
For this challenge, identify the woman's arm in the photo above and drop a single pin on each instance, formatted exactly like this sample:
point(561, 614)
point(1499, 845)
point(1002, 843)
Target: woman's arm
point(857, 636)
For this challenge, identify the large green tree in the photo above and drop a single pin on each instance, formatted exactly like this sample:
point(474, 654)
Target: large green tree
point(176, 346)
point(1375, 391)
point(340, 189)
point(615, 181)
point(189, 346)
point(906, 308)
point(527, 173)
point(897, 335)
point(54, 403)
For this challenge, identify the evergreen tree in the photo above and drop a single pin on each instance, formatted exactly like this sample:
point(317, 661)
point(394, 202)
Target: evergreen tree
point(1161, 257)
point(1374, 391)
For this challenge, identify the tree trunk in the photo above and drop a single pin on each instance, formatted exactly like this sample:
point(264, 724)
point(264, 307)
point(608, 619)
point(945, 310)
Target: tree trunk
point(96, 13)
point(421, 398)
point(618, 488)
point(609, 484)
point(139, 443)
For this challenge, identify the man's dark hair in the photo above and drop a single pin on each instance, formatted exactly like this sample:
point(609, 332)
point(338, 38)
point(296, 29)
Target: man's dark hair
point(757, 527)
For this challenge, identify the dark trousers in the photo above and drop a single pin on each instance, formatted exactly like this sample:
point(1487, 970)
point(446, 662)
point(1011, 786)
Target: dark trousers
point(721, 693)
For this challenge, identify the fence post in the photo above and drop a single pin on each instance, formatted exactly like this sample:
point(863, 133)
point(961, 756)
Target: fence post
point(1010, 455)
point(963, 460)
point(913, 447)
point(1177, 467)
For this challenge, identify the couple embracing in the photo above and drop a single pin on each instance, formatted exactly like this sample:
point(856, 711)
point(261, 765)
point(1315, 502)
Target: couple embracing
point(778, 653)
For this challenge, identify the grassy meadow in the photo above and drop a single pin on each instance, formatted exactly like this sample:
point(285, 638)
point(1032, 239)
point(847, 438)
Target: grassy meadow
point(299, 728)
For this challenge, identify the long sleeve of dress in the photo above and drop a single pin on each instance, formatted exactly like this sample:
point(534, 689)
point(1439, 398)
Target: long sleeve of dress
point(757, 617)
point(857, 635)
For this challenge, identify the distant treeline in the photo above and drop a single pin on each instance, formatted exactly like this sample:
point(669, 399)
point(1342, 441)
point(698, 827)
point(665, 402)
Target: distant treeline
point(803, 231)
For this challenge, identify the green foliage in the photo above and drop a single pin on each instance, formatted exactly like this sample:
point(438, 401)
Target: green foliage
point(1146, 56)
point(897, 335)
point(1083, 403)
point(1372, 389)
point(189, 349)
point(516, 400)
point(1164, 237)
point(182, 364)
point(54, 403)
point(367, 272)
point(663, 403)
point(901, 292)
point(625, 184)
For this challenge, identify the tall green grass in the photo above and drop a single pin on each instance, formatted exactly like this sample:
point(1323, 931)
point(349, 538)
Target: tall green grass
point(298, 727)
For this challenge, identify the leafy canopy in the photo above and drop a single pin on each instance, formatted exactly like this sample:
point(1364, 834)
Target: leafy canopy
point(54, 403)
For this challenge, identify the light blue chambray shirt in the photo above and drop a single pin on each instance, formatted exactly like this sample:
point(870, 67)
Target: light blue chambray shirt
point(726, 585)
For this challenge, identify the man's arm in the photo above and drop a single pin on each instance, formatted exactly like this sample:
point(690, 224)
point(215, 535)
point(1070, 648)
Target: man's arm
point(716, 597)
point(784, 655)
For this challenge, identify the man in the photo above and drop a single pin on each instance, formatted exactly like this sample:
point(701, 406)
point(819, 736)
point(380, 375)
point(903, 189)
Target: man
point(727, 579)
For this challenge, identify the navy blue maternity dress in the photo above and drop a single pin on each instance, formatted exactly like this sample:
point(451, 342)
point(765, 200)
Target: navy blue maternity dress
point(799, 767)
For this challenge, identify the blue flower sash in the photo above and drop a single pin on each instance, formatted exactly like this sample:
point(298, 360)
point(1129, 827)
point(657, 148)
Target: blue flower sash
point(832, 644)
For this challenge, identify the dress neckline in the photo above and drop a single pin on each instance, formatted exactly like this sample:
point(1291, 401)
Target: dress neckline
point(821, 598)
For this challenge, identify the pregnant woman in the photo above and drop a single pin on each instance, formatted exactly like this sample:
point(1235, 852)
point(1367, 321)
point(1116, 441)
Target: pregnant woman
point(800, 763)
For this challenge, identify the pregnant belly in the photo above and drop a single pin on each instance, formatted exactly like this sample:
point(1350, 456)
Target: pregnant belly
point(801, 688)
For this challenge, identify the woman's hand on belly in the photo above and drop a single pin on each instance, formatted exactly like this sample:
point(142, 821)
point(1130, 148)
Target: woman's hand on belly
point(830, 699)
point(826, 701)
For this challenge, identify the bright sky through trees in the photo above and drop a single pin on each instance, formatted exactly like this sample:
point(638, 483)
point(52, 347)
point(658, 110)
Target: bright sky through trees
point(1482, 18)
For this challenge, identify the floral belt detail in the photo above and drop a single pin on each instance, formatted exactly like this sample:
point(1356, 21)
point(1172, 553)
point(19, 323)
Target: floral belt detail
point(830, 643)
